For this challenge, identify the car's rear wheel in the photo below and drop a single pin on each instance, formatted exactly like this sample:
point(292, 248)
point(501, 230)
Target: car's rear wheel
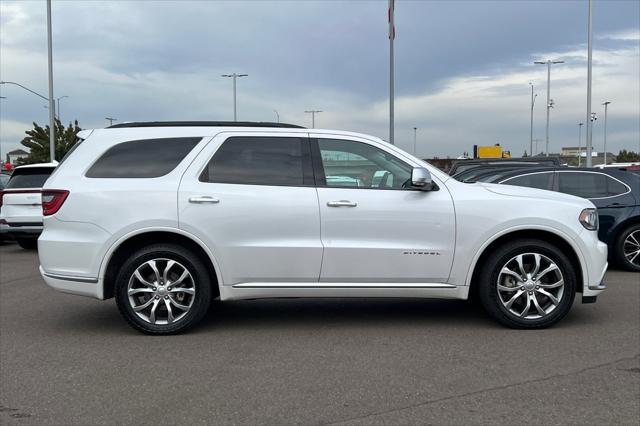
point(527, 284)
point(27, 243)
point(163, 289)
point(627, 249)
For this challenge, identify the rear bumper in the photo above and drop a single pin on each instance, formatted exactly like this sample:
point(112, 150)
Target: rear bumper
point(20, 231)
point(74, 285)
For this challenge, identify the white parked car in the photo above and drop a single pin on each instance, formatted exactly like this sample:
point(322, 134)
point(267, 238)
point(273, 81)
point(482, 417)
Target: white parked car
point(20, 209)
point(167, 216)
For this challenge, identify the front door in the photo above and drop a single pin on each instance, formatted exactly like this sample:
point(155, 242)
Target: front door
point(375, 228)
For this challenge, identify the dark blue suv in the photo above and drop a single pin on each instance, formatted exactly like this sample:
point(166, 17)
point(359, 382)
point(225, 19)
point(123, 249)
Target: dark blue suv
point(616, 194)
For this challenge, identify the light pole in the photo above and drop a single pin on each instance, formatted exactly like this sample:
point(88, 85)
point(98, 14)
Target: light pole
point(25, 88)
point(111, 120)
point(415, 138)
point(606, 105)
point(58, 100)
point(533, 101)
point(235, 77)
point(580, 143)
point(548, 62)
point(277, 116)
point(589, 141)
point(313, 113)
point(392, 35)
point(52, 104)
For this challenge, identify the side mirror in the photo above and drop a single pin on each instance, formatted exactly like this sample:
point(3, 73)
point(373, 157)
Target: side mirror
point(421, 179)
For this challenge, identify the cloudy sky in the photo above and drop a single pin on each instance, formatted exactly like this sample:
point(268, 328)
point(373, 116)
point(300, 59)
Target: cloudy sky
point(462, 67)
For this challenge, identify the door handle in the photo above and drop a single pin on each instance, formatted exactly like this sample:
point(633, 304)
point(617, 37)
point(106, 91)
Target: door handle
point(341, 203)
point(203, 199)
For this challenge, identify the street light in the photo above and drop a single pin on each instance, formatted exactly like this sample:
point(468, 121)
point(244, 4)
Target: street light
point(415, 138)
point(58, 100)
point(606, 105)
point(533, 101)
point(548, 62)
point(25, 88)
point(277, 115)
point(589, 141)
point(234, 76)
point(111, 120)
point(580, 142)
point(313, 113)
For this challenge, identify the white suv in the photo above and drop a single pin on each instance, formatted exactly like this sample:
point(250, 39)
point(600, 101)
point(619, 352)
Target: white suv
point(168, 216)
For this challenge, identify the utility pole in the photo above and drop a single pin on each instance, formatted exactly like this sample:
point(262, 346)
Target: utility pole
point(549, 100)
point(536, 141)
point(52, 104)
point(606, 105)
point(589, 141)
point(313, 113)
point(392, 36)
point(580, 143)
point(533, 101)
point(415, 138)
point(111, 120)
point(235, 77)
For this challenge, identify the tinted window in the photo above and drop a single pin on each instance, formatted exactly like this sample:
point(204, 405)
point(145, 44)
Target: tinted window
point(30, 177)
point(538, 180)
point(356, 164)
point(3, 180)
point(585, 185)
point(615, 187)
point(147, 158)
point(257, 160)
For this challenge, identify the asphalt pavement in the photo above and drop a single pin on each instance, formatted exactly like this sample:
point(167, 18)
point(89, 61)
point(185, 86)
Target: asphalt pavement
point(71, 360)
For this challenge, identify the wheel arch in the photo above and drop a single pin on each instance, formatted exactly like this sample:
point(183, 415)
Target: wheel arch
point(563, 243)
point(119, 251)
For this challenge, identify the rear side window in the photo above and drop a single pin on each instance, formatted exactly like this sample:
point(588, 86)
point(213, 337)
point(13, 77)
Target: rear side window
point(145, 158)
point(30, 177)
point(257, 160)
point(537, 180)
point(590, 185)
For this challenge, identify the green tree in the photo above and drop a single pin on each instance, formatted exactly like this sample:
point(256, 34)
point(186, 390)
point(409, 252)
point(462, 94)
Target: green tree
point(37, 141)
point(625, 156)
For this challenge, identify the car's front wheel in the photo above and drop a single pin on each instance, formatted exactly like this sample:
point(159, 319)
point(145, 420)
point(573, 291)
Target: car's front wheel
point(163, 289)
point(527, 284)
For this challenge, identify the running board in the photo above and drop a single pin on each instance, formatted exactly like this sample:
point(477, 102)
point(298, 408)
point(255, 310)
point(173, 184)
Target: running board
point(319, 286)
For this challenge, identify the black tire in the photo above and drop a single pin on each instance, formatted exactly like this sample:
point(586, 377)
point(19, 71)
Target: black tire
point(488, 281)
point(201, 282)
point(618, 250)
point(28, 243)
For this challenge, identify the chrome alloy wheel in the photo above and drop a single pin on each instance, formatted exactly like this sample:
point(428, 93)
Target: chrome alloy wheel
point(631, 248)
point(530, 286)
point(161, 291)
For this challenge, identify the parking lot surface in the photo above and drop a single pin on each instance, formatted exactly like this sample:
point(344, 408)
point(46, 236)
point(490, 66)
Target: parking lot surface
point(72, 360)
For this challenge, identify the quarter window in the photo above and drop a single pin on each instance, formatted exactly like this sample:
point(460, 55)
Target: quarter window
point(353, 164)
point(145, 158)
point(590, 185)
point(258, 160)
point(537, 180)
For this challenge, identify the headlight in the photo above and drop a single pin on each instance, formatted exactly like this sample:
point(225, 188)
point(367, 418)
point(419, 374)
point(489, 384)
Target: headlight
point(589, 219)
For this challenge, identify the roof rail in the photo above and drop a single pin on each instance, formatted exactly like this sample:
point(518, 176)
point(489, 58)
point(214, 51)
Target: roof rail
point(203, 124)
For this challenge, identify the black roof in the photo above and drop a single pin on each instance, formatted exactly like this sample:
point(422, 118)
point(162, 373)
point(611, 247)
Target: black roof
point(203, 124)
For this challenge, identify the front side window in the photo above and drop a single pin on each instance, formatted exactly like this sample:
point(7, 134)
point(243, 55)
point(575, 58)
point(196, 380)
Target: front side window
point(585, 185)
point(537, 180)
point(258, 160)
point(145, 158)
point(351, 164)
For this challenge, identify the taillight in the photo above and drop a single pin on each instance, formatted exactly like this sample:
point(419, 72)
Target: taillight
point(52, 200)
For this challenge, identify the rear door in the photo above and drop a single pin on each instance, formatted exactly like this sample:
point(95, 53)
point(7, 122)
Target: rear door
point(21, 199)
point(251, 198)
